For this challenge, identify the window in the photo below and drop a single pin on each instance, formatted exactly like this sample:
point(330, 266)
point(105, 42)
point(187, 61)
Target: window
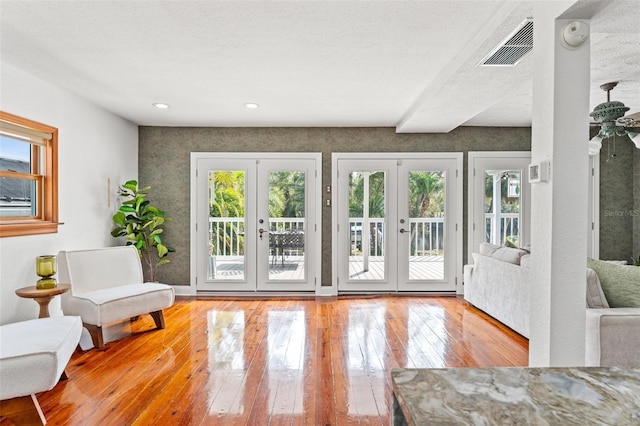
point(28, 177)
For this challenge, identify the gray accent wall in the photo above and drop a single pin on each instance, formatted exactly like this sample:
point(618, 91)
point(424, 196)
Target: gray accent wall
point(619, 199)
point(164, 163)
point(636, 203)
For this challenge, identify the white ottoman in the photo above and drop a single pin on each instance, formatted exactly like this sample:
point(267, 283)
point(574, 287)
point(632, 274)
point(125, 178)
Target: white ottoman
point(33, 356)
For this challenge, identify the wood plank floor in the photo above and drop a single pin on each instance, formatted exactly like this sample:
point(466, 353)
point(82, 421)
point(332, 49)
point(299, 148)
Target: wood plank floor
point(274, 361)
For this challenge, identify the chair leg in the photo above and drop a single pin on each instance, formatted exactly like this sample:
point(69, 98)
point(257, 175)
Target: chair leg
point(24, 410)
point(96, 334)
point(158, 317)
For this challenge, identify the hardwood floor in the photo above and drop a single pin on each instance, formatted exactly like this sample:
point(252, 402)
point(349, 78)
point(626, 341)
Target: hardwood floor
point(274, 361)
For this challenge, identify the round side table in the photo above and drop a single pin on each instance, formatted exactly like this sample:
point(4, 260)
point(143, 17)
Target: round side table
point(42, 296)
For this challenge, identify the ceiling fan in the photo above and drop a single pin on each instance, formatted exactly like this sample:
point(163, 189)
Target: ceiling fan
point(612, 121)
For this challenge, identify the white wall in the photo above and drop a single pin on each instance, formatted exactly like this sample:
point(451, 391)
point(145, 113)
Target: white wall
point(94, 146)
point(559, 207)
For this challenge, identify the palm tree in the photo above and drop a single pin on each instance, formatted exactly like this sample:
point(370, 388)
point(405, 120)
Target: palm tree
point(226, 199)
point(376, 194)
point(424, 189)
point(292, 187)
point(226, 189)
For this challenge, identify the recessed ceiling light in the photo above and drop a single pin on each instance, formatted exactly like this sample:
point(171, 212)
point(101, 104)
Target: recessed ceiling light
point(251, 105)
point(160, 105)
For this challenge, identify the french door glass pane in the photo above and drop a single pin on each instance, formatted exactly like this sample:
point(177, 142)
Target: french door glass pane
point(502, 207)
point(427, 224)
point(226, 225)
point(286, 225)
point(366, 225)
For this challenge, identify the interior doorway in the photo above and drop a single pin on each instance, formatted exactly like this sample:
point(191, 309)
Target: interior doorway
point(499, 199)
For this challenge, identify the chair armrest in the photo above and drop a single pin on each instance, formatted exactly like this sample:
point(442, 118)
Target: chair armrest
point(613, 337)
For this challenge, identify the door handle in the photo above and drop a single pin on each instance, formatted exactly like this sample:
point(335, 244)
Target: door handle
point(402, 230)
point(261, 231)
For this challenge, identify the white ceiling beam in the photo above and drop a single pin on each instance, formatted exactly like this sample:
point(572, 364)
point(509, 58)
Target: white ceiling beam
point(427, 102)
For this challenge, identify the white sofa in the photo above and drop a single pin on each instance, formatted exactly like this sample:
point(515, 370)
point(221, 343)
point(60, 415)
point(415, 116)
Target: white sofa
point(612, 333)
point(107, 286)
point(33, 356)
point(498, 283)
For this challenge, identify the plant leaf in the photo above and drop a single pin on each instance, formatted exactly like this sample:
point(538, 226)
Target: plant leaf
point(162, 250)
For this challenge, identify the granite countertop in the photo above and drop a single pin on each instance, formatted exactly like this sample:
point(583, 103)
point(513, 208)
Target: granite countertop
point(517, 396)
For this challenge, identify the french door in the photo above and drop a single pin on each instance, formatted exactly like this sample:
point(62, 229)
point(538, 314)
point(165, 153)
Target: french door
point(398, 221)
point(499, 199)
point(256, 222)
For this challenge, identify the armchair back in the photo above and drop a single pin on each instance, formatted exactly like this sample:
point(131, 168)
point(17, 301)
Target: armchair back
point(97, 269)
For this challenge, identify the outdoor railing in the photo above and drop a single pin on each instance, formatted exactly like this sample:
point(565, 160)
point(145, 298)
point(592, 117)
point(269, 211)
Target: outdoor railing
point(427, 234)
point(227, 233)
point(509, 228)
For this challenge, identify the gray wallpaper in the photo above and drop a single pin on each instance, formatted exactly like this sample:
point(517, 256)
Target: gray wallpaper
point(619, 199)
point(164, 163)
point(636, 203)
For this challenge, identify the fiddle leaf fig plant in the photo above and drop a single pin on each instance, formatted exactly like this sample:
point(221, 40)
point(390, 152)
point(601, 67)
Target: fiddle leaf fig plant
point(141, 224)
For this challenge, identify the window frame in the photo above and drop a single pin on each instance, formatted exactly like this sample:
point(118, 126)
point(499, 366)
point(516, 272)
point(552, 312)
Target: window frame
point(46, 219)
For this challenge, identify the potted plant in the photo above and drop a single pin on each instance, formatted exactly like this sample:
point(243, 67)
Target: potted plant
point(141, 225)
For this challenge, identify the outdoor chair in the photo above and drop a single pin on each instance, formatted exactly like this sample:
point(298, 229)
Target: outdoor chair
point(292, 242)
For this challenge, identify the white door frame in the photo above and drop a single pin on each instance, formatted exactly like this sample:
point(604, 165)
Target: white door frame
point(314, 263)
point(593, 239)
point(499, 156)
point(458, 156)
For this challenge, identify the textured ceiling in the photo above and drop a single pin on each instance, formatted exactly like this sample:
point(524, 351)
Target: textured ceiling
point(404, 64)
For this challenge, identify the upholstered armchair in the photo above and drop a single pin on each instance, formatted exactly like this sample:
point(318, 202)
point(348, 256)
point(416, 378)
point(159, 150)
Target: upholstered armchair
point(107, 286)
point(33, 356)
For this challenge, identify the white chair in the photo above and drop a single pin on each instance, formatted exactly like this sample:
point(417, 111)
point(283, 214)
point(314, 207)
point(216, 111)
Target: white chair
point(33, 356)
point(107, 286)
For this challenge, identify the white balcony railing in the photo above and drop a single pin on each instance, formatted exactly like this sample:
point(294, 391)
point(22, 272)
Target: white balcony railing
point(509, 228)
point(427, 234)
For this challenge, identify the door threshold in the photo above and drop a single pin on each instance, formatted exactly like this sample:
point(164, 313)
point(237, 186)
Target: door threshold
point(252, 294)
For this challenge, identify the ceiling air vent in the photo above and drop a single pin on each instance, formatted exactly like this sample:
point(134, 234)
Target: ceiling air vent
point(512, 48)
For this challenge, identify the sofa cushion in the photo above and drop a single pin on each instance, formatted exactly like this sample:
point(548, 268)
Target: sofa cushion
point(525, 261)
point(487, 249)
point(595, 296)
point(510, 255)
point(620, 283)
point(34, 353)
point(112, 304)
point(506, 254)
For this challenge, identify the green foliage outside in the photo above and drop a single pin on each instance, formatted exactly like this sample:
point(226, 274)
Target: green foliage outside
point(227, 200)
point(507, 204)
point(141, 224)
point(426, 194)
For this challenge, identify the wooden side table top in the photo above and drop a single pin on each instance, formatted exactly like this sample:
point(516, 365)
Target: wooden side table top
point(42, 296)
point(32, 292)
